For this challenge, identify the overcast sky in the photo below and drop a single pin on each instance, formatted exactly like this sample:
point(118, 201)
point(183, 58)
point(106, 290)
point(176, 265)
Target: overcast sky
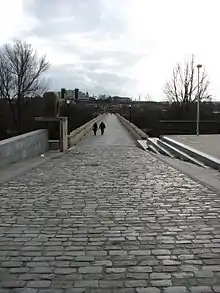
point(125, 47)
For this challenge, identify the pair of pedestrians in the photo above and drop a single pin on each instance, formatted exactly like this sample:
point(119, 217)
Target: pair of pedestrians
point(101, 126)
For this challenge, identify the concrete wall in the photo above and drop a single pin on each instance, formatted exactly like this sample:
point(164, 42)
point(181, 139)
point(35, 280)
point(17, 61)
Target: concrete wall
point(135, 132)
point(23, 146)
point(76, 135)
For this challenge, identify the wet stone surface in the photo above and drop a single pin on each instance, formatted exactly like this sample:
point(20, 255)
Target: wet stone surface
point(129, 224)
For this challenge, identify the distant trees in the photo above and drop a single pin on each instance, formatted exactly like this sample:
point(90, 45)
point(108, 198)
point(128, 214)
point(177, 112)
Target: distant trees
point(183, 86)
point(148, 97)
point(21, 75)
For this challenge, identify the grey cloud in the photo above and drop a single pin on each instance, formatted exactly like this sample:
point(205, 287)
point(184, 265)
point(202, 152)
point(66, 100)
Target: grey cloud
point(92, 81)
point(75, 16)
point(95, 22)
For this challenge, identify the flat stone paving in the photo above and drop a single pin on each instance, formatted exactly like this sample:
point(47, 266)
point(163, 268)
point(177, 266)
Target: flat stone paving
point(108, 217)
point(208, 144)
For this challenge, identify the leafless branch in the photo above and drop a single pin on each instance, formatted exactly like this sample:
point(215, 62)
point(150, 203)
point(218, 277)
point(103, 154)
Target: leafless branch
point(21, 73)
point(183, 86)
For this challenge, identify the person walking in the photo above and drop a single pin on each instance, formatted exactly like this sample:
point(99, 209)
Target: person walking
point(95, 128)
point(102, 127)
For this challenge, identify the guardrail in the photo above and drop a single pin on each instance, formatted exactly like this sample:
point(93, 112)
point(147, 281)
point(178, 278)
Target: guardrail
point(135, 132)
point(79, 133)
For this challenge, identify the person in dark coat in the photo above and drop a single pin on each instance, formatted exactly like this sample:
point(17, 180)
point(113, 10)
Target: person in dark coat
point(95, 128)
point(102, 127)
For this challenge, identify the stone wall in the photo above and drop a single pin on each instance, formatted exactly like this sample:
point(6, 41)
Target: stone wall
point(23, 146)
point(78, 134)
point(135, 132)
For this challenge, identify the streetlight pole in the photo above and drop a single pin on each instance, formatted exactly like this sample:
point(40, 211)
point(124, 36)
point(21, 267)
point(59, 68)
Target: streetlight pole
point(96, 111)
point(130, 113)
point(198, 101)
point(68, 115)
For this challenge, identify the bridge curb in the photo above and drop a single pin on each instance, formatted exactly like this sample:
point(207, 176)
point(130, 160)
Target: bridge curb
point(134, 131)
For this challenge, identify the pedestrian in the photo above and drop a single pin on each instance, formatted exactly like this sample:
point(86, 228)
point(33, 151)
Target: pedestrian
point(94, 128)
point(102, 127)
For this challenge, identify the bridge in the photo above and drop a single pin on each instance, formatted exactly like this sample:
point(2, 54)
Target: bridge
point(106, 216)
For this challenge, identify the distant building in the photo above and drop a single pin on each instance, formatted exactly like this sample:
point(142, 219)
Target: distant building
point(83, 96)
point(93, 99)
point(70, 95)
point(121, 99)
point(102, 97)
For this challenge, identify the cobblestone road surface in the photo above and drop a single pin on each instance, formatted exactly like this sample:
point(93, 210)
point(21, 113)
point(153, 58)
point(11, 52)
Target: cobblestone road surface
point(108, 217)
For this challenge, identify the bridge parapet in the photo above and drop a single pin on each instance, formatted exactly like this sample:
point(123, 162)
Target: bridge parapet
point(79, 133)
point(23, 146)
point(135, 132)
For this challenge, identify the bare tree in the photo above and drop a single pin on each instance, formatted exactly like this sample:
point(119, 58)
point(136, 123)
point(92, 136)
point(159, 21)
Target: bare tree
point(183, 86)
point(21, 75)
point(148, 97)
